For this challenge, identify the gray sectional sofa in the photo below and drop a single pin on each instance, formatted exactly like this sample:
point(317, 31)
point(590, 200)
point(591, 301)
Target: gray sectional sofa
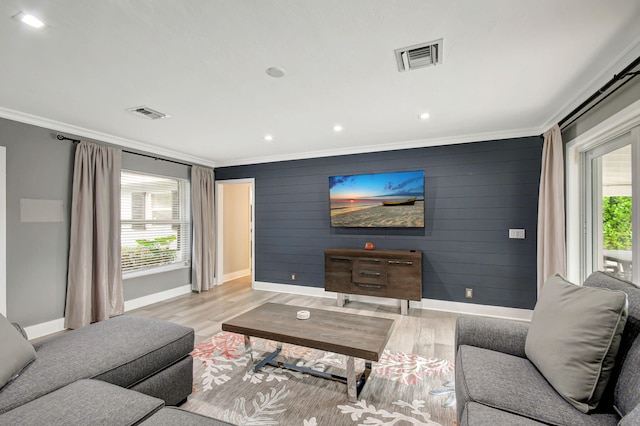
point(123, 371)
point(497, 383)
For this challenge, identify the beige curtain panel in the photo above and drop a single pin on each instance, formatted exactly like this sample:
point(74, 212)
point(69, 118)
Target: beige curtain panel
point(202, 199)
point(551, 216)
point(94, 284)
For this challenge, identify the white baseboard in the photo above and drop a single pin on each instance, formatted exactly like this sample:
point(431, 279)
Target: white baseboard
point(50, 327)
point(292, 289)
point(235, 275)
point(475, 309)
point(140, 302)
point(45, 328)
point(430, 304)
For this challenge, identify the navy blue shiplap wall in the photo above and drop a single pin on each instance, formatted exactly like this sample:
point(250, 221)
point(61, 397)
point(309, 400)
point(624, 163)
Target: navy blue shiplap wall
point(474, 193)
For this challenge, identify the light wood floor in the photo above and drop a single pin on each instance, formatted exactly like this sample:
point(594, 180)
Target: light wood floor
point(427, 333)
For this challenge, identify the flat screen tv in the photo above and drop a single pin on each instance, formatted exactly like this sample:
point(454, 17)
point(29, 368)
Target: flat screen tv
point(377, 200)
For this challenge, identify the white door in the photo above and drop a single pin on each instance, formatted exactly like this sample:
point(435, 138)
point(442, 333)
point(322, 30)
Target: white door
point(611, 180)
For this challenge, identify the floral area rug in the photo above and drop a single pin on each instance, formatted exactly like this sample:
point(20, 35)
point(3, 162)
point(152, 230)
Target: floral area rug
point(403, 389)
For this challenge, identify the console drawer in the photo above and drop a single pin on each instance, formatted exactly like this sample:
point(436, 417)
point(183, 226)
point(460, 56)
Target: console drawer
point(369, 289)
point(369, 276)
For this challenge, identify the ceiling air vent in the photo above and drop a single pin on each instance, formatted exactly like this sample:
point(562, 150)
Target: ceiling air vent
point(419, 55)
point(147, 112)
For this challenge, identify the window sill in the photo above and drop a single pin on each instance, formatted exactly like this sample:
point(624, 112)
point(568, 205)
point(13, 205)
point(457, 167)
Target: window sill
point(153, 271)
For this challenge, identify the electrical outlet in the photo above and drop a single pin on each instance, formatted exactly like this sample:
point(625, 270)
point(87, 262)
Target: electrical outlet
point(468, 293)
point(293, 276)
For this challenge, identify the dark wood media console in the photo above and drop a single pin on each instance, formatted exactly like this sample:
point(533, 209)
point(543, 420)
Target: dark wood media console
point(395, 274)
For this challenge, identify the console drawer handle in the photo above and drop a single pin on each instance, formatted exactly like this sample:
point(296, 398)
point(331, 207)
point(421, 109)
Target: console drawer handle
point(369, 286)
point(400, 262)
point(341, 259)
point(369, 261)
point(370, 274)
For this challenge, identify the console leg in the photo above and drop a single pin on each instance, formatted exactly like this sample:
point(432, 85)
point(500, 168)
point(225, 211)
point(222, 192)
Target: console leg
point(340, 299)
point(404, 307)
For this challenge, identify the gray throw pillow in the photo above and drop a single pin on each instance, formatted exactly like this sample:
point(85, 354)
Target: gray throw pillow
point(574, 337)
point(15, 351)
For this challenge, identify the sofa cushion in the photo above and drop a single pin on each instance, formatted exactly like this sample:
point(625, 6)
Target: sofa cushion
point(175, 416)
point(475, 414)
point(626, 375)
point(123, 351)
point(574, 337)
point(85, 402)
point(15, 352)
point(513, 384)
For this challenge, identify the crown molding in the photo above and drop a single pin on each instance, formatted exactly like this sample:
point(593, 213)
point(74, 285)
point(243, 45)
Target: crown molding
point(420, 143)
point(58, 126)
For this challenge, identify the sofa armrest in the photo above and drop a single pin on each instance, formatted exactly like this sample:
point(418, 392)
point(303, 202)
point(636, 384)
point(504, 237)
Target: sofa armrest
point(491, 333)
point(631, 419)
point(20, 330)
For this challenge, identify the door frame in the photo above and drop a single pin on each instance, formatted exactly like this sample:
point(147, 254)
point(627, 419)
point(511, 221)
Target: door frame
point(219, 200)
point(575, 162)
point(3, 230)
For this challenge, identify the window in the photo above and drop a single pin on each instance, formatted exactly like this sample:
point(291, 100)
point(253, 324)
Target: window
point(156, 222)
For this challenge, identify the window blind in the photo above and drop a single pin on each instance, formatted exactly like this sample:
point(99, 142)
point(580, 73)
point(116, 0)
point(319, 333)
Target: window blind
point(156, 221)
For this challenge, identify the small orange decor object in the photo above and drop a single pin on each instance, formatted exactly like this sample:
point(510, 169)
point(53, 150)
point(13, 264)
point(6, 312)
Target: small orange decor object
point(369, 245)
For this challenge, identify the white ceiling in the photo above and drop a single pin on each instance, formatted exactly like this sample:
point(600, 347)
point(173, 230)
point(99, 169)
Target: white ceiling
point(510, 68)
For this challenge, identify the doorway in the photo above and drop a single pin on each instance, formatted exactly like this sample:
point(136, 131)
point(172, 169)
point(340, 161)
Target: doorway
point(235, 230)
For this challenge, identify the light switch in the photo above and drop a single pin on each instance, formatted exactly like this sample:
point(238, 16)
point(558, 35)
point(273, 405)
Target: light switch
point(516, 233)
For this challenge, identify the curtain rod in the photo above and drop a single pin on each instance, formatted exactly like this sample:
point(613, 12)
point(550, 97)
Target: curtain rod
point(64, 138)
point(576, 113)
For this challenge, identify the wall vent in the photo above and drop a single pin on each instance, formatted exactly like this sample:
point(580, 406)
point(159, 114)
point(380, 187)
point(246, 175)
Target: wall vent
point(419, 55)
point(147, 112)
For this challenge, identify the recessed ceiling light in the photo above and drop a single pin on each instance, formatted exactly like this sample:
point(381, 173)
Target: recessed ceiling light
point(28, 19)
point(275, 72)
point(423, 116)
point(268, 138)
point(337, 128)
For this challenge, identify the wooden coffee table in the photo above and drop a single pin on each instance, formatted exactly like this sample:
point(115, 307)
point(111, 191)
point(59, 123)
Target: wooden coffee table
point(356, 336)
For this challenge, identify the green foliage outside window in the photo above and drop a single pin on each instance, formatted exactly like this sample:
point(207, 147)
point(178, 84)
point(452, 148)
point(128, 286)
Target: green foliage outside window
point(616, 222)
point(154, 252)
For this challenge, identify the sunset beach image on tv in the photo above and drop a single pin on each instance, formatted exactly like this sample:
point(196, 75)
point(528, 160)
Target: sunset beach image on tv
point(380, 200)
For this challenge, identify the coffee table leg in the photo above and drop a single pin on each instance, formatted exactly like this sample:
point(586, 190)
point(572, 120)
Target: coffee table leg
point(248, 349)
point(269, 358)
point(352, 391)
point(356, 384)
